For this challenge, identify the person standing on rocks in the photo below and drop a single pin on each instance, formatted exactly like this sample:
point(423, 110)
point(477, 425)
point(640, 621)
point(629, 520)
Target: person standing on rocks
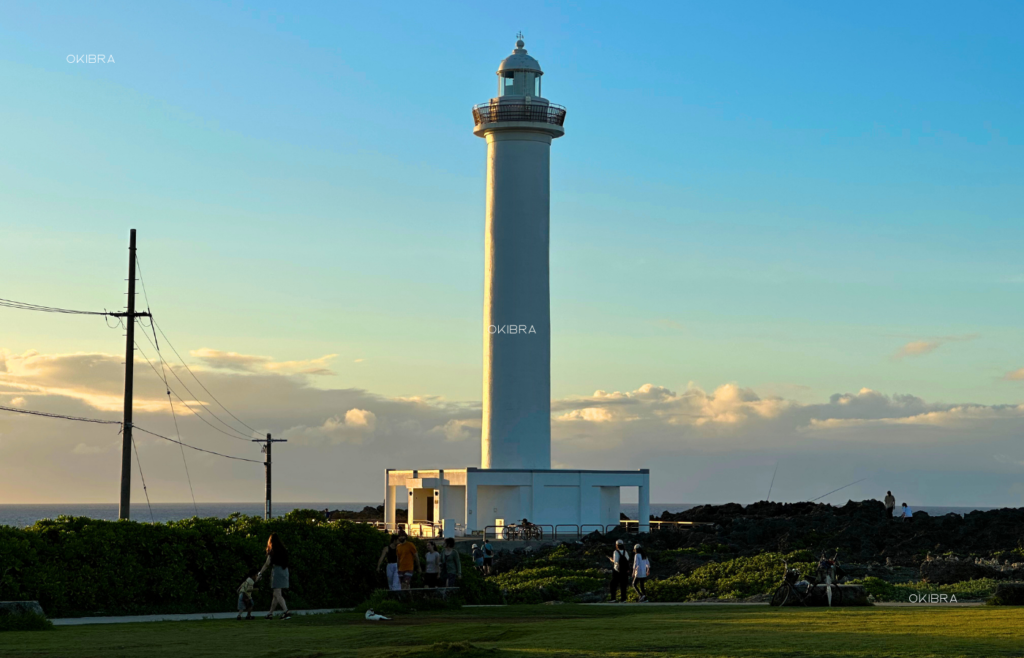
point(890, 503)
point(620, 570)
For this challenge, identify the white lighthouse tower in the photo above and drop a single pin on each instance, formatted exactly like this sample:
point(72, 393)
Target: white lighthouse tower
point(515, 479)
point(518, 124)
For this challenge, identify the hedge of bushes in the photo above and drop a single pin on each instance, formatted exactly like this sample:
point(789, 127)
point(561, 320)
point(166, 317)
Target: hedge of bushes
point(569, 574)
point(968, 590)
point(738, 578)
point(76, 566)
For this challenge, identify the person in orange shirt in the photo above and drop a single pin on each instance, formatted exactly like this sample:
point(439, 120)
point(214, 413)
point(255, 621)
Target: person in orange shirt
point(408, 560)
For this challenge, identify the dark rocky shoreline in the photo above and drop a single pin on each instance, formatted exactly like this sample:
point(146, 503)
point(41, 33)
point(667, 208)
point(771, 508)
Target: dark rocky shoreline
point(861, 530)
point(943, 549)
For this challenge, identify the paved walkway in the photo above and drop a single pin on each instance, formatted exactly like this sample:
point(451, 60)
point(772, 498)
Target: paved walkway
point(81, 621)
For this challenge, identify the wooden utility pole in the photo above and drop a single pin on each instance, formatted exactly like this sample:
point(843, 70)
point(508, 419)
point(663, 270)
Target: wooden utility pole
point(124, 509)
point(266, 450)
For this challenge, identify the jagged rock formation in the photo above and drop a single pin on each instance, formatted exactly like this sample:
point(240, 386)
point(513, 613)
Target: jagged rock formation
point(861, 530)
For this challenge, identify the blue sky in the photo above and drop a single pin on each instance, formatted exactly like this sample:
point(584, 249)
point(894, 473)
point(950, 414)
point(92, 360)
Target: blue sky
point(781, 197)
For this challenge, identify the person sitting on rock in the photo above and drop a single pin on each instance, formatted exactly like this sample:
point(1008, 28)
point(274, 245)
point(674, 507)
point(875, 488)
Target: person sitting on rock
point(907, 512)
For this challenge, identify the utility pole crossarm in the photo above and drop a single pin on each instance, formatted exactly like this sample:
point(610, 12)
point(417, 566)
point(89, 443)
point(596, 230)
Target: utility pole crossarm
point(143, 314)
point(266, 450)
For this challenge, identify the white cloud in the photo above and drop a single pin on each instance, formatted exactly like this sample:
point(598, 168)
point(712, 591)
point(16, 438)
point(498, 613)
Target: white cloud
point(589, 414)
point(922, 347)
point(83, 449)
point(702, 445)
point(917, 348)
point(1015, 375)
point(460, 430)
point(251, 363)
point(355, 426)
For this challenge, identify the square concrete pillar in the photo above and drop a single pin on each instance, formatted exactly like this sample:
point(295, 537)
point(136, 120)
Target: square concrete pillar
point(471, 511)
point(389, 507)
point(644, 504)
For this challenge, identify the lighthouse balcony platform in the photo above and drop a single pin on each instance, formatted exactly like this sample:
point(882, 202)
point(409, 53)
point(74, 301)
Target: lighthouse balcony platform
point(506, 111)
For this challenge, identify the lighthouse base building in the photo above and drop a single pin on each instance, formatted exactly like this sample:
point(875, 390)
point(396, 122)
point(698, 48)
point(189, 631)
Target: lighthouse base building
point(474, 500)
point(515, 480)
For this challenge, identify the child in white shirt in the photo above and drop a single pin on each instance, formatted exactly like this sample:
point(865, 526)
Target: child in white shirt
point(641, 570)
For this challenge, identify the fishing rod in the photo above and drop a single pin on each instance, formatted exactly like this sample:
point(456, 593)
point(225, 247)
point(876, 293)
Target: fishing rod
point(839, 489)
point(773, 482)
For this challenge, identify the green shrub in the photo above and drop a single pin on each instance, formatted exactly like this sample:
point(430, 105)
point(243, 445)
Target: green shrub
point(385, 603)
point(704, 550)
point(537, 584)
point(445, 649)
point(900, 592)
point(1008, 594)
point(737, 578)
point(25, 623)
point(75, 566)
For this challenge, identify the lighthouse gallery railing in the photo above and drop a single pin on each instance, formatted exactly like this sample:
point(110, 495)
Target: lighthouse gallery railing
point(499, 112)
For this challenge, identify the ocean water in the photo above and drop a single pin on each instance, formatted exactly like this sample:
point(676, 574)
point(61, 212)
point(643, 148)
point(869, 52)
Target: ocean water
point(630, 509)
point(26, 515)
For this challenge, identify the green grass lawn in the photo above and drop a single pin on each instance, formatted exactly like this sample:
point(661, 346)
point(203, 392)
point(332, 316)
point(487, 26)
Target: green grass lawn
point(561, 630)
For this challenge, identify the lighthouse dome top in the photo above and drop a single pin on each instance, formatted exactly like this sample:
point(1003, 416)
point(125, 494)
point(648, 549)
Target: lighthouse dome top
point(520, 60)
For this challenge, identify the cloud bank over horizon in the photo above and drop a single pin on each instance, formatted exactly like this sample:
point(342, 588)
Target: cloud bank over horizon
point(702, 445)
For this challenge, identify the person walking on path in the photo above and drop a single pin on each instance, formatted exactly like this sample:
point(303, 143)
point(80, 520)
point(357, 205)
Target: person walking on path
point(641, 569)
point(408, 559)
point(620, 570)
point(433, 572)
point(488, 557)
point(890, 503)
point(907, 512)
point(390, 553)
point(451, 563)
point(478, 558)
point(277, 562)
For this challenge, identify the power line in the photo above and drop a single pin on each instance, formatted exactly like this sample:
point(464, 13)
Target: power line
point(26, 306)
point(163, 375)
point(168, 341)
point(160, 436)
point(238, 435)
point(49, 415)
point(177, 433)
point(138, 264)
point(144, 489)
point(174, 416)
point(156, 345)
point(116, 422)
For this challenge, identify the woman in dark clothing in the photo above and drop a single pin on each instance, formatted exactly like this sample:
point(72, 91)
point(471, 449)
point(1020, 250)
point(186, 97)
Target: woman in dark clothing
point(390, 553)
point(451, 563)
point(277, 561)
